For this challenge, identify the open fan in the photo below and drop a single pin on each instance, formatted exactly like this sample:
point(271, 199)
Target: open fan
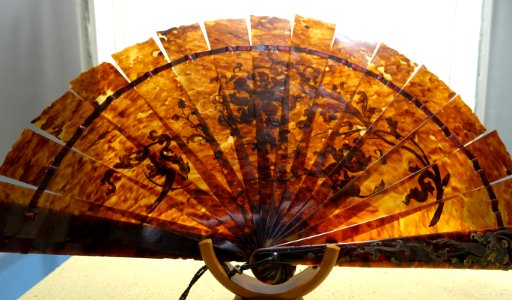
point(272, 148)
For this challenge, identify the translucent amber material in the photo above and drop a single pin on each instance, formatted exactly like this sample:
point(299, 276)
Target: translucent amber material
point(278, 138)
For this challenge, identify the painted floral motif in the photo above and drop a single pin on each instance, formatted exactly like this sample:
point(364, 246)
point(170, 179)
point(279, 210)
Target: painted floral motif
point(164, 169)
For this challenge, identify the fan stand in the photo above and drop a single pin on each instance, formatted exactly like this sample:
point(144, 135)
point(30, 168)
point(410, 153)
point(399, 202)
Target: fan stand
point(247, 287)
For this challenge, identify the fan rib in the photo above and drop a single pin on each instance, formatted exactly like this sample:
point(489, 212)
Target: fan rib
point(428, 113)
point(202, 72)
point(236, 100)
point(348, 64)
point(283, 178)
point(358, 113)
point(305, 73)
point(270, 69)
point(354, 211)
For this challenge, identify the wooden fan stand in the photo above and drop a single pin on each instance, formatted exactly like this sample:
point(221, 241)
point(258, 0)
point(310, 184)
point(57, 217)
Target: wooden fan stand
point(247, 287)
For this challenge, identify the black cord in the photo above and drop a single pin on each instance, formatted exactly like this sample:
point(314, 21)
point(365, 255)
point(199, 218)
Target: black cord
point(196, 277)
point(230, 273)
point(239, 269)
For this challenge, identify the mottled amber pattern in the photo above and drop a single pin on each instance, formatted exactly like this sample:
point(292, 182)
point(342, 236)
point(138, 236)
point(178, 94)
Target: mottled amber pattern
point(278, 135)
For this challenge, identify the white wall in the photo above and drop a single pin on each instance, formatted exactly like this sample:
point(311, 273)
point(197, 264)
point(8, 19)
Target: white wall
point(39, 53)
point(498, 110)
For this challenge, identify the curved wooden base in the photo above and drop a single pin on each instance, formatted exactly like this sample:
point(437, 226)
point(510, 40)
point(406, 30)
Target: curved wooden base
point(248, 287)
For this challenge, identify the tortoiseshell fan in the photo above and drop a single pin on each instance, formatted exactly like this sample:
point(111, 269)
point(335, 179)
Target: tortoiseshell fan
point(272, 147)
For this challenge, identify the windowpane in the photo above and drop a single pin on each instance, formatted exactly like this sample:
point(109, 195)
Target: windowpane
point(443, 35)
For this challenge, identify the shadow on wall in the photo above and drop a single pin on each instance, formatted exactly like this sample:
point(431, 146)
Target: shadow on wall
point(18, 272)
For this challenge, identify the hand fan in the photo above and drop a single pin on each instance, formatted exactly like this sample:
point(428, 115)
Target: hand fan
point(273, 142)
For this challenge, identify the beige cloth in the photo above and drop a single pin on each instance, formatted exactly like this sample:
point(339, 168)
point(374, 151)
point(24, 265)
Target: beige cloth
point(134, 278)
